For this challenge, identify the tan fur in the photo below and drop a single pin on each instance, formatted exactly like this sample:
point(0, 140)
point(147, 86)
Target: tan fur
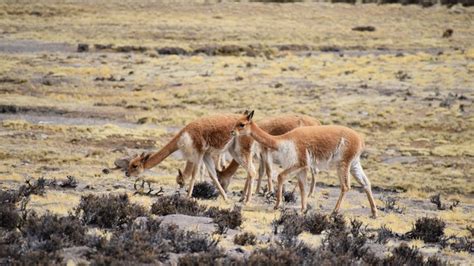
point(209, 135)
point(338, 145)
point(275, 126)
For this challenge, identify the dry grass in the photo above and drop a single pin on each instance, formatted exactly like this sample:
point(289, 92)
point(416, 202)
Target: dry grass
point(412, 100)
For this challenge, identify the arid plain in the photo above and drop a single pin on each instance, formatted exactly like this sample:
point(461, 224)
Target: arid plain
point(85, 83)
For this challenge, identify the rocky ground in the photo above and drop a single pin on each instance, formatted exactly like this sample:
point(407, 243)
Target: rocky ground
point(82, 84)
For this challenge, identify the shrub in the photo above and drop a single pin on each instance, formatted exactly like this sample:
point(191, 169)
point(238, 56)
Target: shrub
point(404, 255)
point(108, 211)
point(430, 230)
point(9, 196)
point(245, 238)
point(345, 245)
point(9, 216)
point(70, 182)
point(274, 255)
point(128, 247)
point(176, 204)
point(40, 238)
point(225, 218)
point(215, 257)
point(205, 190)
point(316, 223)
point(463, 244)
point(289, 196)
point(10, 246)
point(384, 234)
point(37, 187)
point(292, 223)
point(391, 205)
point(436, 199)
point(150, 245)
point(51, 232)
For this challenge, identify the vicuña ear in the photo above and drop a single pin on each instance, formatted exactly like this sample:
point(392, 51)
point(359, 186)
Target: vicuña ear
point(250, 115)
point(180, 174)
point(246, 112)
point(145, 157)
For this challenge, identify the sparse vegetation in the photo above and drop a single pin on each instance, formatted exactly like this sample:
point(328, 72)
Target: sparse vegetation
point(428, 229)
point(108, 211)
point(391, 205)
point(204, 190)
point(384, 234)
point(436, 199)
point(291, 223)
point(176, 204)
point(225, 218)
point(79, 90)
point(289, 196)
point(150, 245)
point(245, 238)
point(405, 255)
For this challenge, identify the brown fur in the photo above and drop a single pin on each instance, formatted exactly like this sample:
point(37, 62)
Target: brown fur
point(322, 142)
point(275, 126)
point(208, 134)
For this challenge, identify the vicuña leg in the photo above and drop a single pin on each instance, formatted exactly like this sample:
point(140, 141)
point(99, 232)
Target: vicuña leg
point(250, 176)
point(313, 182)
point(211, 167)
point(261, 173)
point(358, 173)
point(343, 173)
point(281, 179)
point(194, 173)
point(269, 170)
point(245, 190)
point(201, 171)
point(302, 184)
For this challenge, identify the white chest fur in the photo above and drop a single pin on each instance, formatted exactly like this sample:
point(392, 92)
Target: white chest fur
point(286, 155)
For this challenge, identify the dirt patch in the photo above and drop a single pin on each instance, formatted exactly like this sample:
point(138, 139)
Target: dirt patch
point(294, 47)
point(30, 46)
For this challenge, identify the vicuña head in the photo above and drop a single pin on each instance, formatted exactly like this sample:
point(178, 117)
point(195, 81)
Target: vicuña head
point(242, 127)
point(136, 166)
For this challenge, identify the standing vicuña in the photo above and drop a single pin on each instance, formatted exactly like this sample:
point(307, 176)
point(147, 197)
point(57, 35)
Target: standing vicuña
point(198, 141)
point(316, 147)
point(243, 148)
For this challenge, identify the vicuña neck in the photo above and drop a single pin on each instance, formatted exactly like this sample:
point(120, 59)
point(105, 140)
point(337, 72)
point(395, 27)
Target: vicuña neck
point(263, 137)
point(160, 155)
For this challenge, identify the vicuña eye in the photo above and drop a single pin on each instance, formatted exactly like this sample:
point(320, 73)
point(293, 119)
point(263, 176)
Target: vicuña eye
point(241, 125)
